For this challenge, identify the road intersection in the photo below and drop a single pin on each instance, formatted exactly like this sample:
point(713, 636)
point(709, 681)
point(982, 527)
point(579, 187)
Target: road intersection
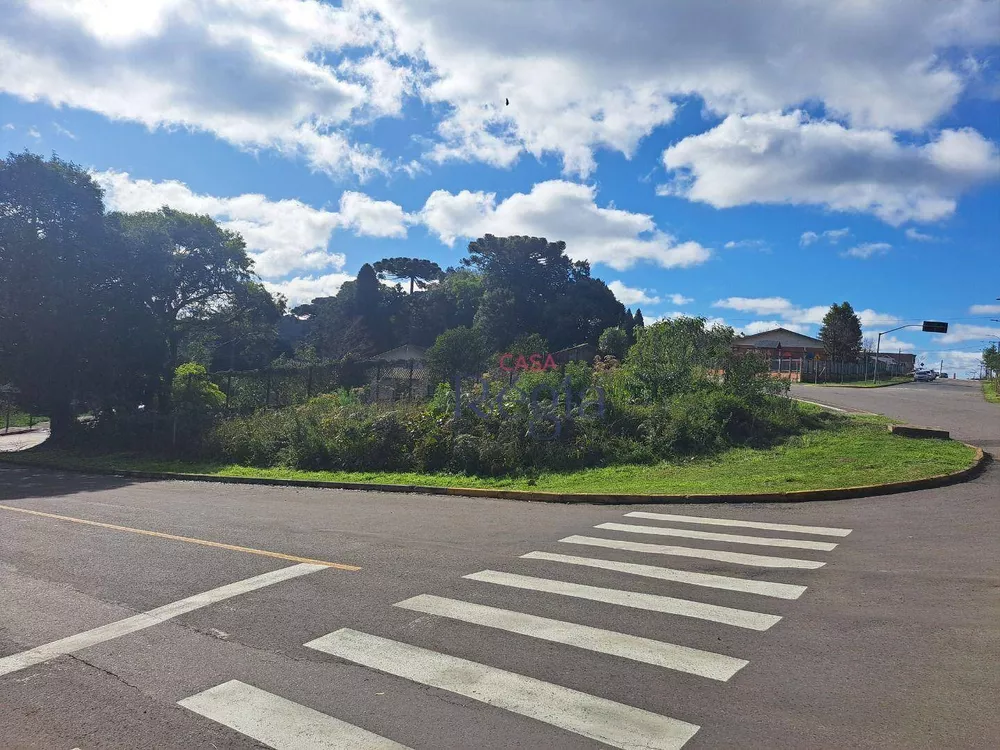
point(174, 614)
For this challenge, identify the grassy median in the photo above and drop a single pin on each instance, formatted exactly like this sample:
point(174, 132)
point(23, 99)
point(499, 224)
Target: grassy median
point(849, 450)
point(990, 391)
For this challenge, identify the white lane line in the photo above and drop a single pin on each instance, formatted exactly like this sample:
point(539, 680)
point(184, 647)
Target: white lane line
point(714, 537)
point(599, 719)
point(279, 723)
point(740, 558)
point(820, 530)
point(661, 654)
point(764, 588)
point(148, 619)
point(740, 618)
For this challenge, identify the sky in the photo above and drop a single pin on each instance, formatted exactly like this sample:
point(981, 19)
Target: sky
point(751, 163)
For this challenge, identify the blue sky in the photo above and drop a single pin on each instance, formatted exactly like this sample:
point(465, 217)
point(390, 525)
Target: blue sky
point(748, 164)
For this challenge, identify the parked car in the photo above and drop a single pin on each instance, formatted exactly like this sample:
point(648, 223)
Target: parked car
point(944, 375)
point(923, 376)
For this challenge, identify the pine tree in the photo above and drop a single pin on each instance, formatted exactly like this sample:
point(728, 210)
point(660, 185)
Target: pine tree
point(841, 333)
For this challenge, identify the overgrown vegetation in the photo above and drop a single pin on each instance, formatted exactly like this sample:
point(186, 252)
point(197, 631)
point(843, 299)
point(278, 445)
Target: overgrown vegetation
point(680, 391)
point(991, 392)
point(838, 451)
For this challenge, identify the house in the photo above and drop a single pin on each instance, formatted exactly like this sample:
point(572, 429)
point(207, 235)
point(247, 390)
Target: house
point(782, 343)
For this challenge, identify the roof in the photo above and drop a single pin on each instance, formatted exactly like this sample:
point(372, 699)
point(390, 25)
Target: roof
point(771, 339)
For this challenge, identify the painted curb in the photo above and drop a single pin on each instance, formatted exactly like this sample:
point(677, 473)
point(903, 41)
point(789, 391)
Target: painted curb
point(840, 493)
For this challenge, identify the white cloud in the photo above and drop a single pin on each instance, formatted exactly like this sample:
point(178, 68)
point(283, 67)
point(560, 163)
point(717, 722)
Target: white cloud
point(33, 132)
point(560, 210)
point(8, 126)
point(870, 319)
point(956, 363)
point(283, 236)
point(680, 299)
point(60, 130)
point(305, 289)
point(607, 78)
point(759, 326)
point(628, 295)
point(776, 158)
point(913, 234)
point(746, 244)
point(295, 75)
point(833, 236)
point(254, 73)
point(867, 249)
point(984, 310)
point(786, 314)
point(890, 344)
point(958, 332)
point(371, 217)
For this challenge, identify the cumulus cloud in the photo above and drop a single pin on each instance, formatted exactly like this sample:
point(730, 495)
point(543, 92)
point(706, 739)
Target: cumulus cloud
point(60, 130)
point(371, 217)
point(254, 73)
point(958, 332)
point(628, 295)
point(304, 289)
point(868, 249)
point(785, 314)
point(283, 236)
point(607, 79)
point(560, 210)
point(296, 75)
point(775, 158)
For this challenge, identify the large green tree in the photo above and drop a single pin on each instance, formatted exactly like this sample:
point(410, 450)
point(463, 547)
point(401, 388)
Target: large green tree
point(66, 294)
point(191, 268)
point(841, 333)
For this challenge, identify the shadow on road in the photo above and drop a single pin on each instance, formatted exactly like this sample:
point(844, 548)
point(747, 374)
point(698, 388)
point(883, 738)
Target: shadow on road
point(21, 482)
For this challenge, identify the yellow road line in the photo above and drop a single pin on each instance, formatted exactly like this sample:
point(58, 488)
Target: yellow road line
point(188, 539)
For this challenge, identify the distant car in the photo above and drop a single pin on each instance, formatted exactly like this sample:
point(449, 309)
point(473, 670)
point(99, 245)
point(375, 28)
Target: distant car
point(923, 376)
point(944, 375)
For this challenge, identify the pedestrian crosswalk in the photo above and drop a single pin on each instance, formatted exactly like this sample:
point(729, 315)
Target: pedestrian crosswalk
point(283, 724)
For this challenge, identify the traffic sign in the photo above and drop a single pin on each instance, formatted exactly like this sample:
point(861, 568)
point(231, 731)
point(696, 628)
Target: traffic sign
point(933, 326)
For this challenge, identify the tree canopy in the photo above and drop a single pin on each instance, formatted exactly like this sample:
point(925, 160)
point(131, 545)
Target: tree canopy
point(841, 333)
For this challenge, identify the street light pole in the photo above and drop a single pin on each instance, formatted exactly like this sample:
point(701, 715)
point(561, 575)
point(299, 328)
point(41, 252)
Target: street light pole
point(878, 346)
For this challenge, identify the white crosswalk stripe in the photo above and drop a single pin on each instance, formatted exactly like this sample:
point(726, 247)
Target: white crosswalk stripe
point(763, 588)
point(819, 530)
point(280, 723)
point(668, 655)
point(714, 537)
point(614, 724)
point(740, 618)
point(740, 558)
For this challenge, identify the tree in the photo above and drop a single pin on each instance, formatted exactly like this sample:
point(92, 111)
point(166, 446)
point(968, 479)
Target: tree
point(417, 270)
point(456, 353)
point(64, 287)
point(674, 356)
point(991, 360)
point(613, 342)
point(638, 322)
point(841, 333)
point(190, 267)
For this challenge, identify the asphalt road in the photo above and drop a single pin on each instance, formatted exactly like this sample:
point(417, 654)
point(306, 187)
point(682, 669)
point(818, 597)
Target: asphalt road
point(893, 643)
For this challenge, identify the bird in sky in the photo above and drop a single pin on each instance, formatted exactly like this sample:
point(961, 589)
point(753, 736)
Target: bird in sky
point(507, 102)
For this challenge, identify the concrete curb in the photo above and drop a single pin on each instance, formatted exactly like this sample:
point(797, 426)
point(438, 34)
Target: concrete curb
point(840, 493)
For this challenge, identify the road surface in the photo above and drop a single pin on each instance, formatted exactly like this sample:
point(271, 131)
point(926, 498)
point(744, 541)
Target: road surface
point(189, 615)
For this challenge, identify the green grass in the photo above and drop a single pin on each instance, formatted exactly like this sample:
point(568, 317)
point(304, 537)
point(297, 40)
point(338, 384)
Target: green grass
point(849, 451)
point(990, 391)
point(866, 384)
point(20, 419)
